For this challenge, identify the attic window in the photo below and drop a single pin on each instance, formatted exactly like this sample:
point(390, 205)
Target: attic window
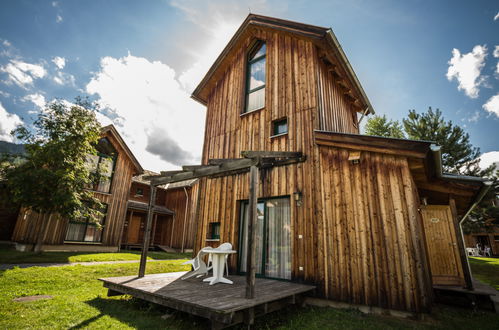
point(255, 77)
point(139, 192)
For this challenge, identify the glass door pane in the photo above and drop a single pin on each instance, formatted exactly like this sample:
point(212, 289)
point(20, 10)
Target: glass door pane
point(278, 242)
point(260, 227)
point(273, 243)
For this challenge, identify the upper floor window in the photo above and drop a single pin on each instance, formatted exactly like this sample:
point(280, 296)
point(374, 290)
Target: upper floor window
point(102, 164)
point(255, 80)
point(139, 192)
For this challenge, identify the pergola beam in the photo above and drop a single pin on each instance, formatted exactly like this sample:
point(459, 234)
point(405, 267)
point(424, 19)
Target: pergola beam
point(252, 161)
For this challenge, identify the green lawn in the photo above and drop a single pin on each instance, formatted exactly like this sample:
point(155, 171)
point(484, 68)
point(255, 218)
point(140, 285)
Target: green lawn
point(79, 301)
point(10, 256)
point(486, 270)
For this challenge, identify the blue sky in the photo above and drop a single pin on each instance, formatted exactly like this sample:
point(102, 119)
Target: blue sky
point(141, 60)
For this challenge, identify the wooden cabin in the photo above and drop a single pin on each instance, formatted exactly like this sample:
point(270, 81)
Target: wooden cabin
point(173, 214)
point(113, 191)
point(486, 236)
point(368, 220)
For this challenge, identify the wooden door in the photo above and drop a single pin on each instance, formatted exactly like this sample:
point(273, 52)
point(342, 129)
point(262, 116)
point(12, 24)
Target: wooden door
point(134, 229)
point(441, 244)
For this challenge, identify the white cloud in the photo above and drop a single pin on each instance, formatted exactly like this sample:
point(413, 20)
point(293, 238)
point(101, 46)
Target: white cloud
point(218, 21)
point(8, 122)
point(488, 159)
point(58, 19)
point(496, 17)
point(161, 124)
point(22, 73)
point(62, 78)
point(496, 55)
point(55, 3)
point(59, 62)
point(474, 118)
point(466, 69)
point(37, 99)
point(6, 43)
point(492, 105)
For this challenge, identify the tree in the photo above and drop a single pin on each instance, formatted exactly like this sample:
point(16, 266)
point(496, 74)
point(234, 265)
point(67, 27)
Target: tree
point(53, 176)
point(458, 154)
point(381, 126)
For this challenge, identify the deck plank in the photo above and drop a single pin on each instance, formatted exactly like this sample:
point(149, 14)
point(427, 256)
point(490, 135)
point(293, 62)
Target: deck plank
point(217, 302)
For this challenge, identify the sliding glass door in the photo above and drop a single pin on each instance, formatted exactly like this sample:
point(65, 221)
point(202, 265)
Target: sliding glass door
point(273, 242)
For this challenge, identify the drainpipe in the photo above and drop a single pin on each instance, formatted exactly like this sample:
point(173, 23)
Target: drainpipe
point(185, 217)
point(437, 155)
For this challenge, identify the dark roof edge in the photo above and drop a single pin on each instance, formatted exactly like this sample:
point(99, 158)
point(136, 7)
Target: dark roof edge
point(129, 153)
point(315, 32)
point(350, 70)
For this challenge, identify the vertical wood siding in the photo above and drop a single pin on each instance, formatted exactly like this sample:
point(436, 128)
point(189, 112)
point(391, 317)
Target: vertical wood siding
point(27, 227)
point(359, 225)
point(335, 113)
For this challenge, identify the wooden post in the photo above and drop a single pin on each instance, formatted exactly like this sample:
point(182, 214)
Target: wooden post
point(461, 246)
point(147, 233)
point(252, 222)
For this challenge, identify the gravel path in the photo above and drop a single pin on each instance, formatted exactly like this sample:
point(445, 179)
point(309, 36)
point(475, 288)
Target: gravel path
point(88, 263)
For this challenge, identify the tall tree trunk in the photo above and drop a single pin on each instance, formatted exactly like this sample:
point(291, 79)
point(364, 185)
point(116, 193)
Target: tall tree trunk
point(42, 232)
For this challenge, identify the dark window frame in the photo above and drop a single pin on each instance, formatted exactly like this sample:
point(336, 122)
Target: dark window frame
point(139, 192)
point(97, 181)
point(253, 49)
point(241, 210)
point(87, 224)
point(275, 125)
point(214, 228)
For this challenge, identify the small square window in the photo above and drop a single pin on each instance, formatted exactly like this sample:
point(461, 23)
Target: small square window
point(214, 230)
point(139, 192)
point(279, 127)
point(496, 238)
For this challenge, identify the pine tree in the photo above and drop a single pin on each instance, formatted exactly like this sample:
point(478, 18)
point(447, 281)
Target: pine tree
point(381, 126)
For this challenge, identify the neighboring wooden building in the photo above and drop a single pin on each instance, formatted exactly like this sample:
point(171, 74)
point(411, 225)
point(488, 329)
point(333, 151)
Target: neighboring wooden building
point(119, 165)
point(173, 217)
point(350, 218)
point(488, 236)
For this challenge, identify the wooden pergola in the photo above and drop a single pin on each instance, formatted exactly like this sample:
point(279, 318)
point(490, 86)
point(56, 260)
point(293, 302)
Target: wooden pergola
point(252, 161)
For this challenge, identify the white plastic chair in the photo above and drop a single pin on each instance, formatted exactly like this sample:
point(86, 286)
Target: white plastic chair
point(486, 252)
point(223, 246)
point(199, 267)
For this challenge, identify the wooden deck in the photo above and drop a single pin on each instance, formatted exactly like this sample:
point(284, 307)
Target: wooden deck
point(223, 304)
point(483, 296)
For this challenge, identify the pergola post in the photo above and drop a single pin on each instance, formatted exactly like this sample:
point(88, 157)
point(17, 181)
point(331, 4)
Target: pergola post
point(252, 223)
point(147, 232)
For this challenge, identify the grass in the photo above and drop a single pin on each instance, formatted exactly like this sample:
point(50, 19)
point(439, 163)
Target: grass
point(79, 301)
point(486, 270)
point(10, 256)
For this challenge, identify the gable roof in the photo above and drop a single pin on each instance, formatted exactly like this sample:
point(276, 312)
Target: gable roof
point(112, 130)
point(321, 36)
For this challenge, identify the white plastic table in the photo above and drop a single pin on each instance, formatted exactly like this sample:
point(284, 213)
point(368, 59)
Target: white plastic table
point(218, 260)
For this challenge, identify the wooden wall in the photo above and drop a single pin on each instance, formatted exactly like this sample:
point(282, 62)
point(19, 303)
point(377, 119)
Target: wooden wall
point(27, 227)
point(370, 233)
point(184, 228)
point(360, 231)
point(335, 113)
point(290, 91)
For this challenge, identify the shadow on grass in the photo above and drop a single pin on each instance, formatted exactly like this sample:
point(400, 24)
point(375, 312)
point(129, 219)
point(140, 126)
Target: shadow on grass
point(9, 255)
point(141, 314)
